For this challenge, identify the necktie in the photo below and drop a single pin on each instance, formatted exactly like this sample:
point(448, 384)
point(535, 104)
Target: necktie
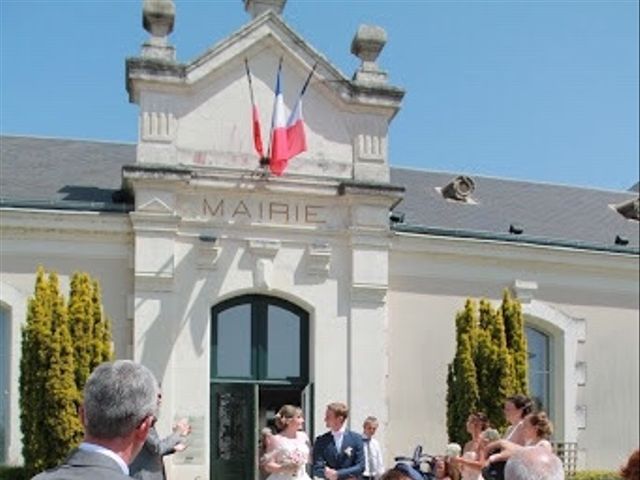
point(367, 444)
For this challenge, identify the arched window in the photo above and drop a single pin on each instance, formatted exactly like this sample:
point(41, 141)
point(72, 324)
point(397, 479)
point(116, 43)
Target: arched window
point(538, 345)
point(261, 339)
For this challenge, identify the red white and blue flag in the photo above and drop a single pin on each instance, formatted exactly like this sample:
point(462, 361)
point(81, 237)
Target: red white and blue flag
point(288, 138)
point(279, 141)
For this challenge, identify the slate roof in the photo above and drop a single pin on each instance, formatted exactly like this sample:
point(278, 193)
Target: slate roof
point(62, 173)
point(546, 213)
point(84, 175)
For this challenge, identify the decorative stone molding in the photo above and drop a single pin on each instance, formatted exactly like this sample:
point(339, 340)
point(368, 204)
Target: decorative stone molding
point(581, 329)
point(581, 373)
point(157, 18)
point(264, 248)
point(371, 294)
point(367, 44)
point(524, 290)
point(155, 205)
point(319, 259)
point(370, 148)
point(571, 331)
point(581, 416)
point(264, 252)
point(258, 7)
point(208, 252)
point(157, 127)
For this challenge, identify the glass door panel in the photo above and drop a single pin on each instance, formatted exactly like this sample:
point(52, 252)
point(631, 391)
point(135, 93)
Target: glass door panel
point(233, 431)
point(283, 343)
point(233, 345)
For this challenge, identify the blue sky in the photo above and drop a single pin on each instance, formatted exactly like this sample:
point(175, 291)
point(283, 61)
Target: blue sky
point(535, 90)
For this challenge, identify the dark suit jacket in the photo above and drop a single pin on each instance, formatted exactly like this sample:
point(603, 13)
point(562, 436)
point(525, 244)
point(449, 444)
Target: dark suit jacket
point(349, 461)
point(148, 464)
point(82, 465)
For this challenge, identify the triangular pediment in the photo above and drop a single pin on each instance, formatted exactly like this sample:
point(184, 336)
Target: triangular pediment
point(155, 205)
point(199, 113)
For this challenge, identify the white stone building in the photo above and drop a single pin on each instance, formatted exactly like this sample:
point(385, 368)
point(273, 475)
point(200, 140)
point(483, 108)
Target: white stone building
point(339, 280)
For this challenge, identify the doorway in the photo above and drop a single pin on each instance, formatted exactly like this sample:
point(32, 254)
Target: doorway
point(259, 362)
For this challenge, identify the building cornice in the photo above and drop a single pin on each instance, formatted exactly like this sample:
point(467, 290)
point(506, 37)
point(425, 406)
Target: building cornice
point(34, 223)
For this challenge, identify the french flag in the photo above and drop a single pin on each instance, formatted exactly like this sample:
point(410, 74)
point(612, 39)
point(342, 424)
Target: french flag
point(279, 142)
point(289, 137)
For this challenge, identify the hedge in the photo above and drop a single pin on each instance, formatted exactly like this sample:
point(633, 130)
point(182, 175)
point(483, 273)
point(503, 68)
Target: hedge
point(595, 475)
point(13, 473)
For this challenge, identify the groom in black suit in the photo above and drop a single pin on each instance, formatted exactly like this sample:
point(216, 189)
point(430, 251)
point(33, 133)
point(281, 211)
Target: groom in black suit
point(339, 453)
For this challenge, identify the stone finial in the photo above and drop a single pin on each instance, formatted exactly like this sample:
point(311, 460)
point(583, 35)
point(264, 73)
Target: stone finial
point(367, 44)
point(258, 7)
point(157, 19)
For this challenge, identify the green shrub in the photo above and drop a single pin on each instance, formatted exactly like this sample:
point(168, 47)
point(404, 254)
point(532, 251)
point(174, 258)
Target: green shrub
point(595, 475)
point(13, 473)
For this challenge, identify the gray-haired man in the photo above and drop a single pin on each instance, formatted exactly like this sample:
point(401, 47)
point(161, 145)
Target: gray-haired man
point(533, 463)
point(120, 406)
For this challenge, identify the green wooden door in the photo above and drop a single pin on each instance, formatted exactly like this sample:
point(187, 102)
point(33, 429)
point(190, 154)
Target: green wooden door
point(233, 431)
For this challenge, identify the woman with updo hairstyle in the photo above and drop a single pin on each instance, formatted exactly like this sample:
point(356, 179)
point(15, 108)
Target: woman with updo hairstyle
point(516, 407)
point(472, 460)
point(288, 451)
point(538, 430)
point(286, 415)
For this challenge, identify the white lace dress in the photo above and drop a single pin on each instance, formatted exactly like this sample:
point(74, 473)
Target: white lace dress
point(469, 473)
point(294, 451)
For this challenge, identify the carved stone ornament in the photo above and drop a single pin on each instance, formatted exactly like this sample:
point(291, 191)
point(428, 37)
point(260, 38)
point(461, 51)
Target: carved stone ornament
point(258, 7)
point(367, 44)
point(158, 17)
point(208, 252)
point(318, 259)
point(264, 252)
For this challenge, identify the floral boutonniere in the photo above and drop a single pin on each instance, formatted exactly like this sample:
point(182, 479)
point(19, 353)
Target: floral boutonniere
point(348, 451)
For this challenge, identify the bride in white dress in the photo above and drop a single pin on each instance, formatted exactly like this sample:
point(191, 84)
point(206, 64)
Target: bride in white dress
point(288, 452)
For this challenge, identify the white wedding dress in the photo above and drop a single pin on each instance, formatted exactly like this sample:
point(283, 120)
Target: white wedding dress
point(291, 450)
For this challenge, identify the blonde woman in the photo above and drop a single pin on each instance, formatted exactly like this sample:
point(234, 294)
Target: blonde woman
point(288, 451)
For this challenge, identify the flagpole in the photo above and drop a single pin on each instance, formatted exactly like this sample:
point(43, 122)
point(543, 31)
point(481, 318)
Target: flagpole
point(246, 67)
point(257, 134)
point(273, 116)
point(306, 83)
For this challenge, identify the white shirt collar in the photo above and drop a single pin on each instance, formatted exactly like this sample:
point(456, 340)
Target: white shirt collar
point(92, 447)
point(340, 432)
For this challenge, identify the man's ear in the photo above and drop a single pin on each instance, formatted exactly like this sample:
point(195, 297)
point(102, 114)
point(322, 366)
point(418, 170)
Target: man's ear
point(142, 430)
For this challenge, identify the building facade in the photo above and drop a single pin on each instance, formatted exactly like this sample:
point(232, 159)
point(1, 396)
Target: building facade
point(339, 280)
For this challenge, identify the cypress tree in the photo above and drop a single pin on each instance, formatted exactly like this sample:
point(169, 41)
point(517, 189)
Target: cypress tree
point(62, 427)
point(81, 326)
point(102, 347)
point(485, 371)
point(35, 337)
point(462, 386)
point(61, 345)
point(494, 364)
point(516, 341)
